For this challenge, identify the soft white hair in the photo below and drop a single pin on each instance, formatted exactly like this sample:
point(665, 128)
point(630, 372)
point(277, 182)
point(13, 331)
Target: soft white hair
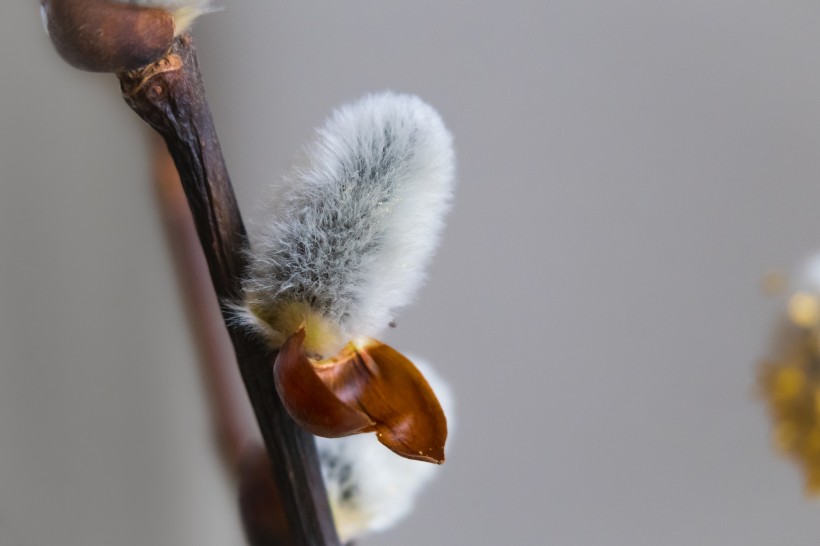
point(171, 4)
point(352, 229)
point(184, 11)
point(370, 488)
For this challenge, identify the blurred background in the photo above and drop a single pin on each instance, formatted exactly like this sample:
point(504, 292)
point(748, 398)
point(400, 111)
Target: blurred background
point(628, 172)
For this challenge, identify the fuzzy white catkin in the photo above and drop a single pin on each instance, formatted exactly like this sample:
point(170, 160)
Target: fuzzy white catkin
point(371, 489)
point(352, 229)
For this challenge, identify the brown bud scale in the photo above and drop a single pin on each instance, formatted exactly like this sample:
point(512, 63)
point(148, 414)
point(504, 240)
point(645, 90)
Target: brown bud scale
point(367, 387)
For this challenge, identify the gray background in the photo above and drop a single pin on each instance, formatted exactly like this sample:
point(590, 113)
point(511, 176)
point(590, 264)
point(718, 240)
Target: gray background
point(628, 170)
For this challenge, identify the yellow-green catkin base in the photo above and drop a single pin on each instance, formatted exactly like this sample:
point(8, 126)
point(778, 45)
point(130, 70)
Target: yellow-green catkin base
point(322, 338)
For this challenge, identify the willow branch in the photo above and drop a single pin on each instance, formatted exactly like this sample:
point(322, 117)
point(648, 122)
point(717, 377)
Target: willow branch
point(169, 95)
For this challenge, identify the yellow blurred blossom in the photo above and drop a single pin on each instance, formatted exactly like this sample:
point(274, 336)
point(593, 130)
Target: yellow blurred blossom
point(804, 309)
point(790, 383)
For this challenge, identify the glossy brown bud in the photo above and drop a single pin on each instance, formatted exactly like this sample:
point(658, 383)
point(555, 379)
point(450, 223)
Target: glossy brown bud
point(107, 36)
point(306, 397)
point(368, 386)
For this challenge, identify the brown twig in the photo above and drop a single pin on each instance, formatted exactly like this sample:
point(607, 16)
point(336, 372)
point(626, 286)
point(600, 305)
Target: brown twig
point(169, 95)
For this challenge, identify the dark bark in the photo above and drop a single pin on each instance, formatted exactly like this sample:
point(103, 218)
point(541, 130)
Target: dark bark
point(169, 95)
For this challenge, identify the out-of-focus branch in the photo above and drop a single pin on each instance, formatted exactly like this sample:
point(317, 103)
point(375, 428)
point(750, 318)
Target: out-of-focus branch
point(238, 439)
point(230, 411)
